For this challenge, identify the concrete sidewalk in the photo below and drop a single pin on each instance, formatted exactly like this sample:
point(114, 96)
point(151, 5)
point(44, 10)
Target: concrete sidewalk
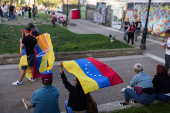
point(85, 27)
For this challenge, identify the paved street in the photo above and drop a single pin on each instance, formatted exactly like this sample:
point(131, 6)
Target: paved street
point(10, 96)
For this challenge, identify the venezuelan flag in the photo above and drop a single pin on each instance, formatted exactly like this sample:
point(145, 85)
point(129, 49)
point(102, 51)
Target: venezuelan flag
point(92, 74)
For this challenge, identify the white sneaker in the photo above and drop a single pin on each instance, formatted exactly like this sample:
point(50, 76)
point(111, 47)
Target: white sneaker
point(32, 80)
point(17, 83)
point(34, 21)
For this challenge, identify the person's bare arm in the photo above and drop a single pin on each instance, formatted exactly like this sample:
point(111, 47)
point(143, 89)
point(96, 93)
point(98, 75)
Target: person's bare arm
point(128, 29)
point(21, 46)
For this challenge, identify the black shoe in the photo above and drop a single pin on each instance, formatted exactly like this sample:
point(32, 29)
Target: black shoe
point(133, 101)
point(136, 40)
point(122, 104)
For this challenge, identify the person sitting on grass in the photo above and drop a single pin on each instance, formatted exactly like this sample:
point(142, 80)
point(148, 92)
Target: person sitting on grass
point(53, 18)
point(144, 91)
point(45, 99)
point(161, 83)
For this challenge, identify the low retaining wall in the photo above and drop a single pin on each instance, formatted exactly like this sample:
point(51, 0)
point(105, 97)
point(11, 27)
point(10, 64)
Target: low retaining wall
point(59, 56)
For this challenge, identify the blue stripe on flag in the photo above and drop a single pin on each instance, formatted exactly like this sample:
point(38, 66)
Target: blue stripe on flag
point(23, 51)
point(92, 72)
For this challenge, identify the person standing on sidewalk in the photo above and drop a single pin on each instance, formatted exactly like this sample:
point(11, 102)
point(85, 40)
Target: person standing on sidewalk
point(126, 25)
point(138, 28)
point(167, 47)
point(131, 31)
point(29, 42)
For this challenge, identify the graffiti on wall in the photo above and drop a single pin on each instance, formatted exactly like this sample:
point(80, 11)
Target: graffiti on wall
point(159, 16)
point(100, 13)
point(159, 19)
point(83, 12)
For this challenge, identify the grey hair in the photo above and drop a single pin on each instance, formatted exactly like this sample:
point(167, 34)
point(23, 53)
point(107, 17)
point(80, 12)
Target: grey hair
point(138, 67)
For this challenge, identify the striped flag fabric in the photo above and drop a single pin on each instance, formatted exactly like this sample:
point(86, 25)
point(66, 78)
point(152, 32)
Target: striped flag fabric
point(92, 74)
point(44, 57)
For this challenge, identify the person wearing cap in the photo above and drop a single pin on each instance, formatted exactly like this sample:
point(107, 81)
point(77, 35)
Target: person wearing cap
point(138, 28)
point(126, 25)
point(53, 18)
point(29, 42)
point(45, 99)
point(33, 30)
point(142, 83)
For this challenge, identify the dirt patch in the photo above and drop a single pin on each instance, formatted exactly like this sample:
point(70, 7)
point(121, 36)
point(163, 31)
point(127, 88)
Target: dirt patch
point(22, 21)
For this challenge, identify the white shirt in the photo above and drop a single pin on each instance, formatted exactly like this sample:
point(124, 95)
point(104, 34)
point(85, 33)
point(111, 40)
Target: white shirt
point(45, 9)
point(168, 44)
point(4, 9)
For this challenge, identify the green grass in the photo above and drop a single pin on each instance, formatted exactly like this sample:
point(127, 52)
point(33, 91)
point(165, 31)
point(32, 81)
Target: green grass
point(47, 18)
point(63, 40)
point(161, 107)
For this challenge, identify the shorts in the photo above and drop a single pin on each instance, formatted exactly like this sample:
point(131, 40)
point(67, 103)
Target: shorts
point(34, 15)
point(30, 60)
point(138, 32)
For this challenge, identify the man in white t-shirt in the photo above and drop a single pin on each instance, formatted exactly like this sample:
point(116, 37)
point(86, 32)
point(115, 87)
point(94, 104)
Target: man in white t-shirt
point(5, 9)
point(167, 47)
point(45, 11)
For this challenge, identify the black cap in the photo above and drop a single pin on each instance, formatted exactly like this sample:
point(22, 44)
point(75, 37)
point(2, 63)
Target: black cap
point(31, 25)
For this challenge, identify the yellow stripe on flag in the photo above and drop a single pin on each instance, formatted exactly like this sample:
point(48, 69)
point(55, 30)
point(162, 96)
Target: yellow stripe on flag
point(43, 65)
point(23, 61)
point(50, 54)
point(87, 83)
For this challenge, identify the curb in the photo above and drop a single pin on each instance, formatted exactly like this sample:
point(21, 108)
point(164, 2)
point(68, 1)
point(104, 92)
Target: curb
point(59, 56)
point(114, 106)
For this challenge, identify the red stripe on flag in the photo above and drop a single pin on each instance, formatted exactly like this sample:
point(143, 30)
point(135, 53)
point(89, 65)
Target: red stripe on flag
point(106, 71)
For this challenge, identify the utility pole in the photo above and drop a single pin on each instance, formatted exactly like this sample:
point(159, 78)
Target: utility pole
point(143, 42)
point(67, 10)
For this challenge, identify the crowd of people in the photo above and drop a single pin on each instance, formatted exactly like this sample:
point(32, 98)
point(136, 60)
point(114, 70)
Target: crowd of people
point(25, 11)
point(133, 30)
point(144, 89)
point(8, 11)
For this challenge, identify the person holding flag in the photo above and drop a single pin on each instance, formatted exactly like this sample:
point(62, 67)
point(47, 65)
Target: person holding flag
point(28, 43)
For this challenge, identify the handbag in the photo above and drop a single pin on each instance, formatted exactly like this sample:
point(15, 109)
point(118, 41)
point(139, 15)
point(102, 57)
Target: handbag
point(91, 104)
point(138, 90)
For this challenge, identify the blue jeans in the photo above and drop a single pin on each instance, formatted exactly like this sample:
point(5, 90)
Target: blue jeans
point(68, 109)
point(11, 14)
point(142, 98)
point(15, 17)
point(22, 13)
point(5, 15)
point(162, 97)
point(125, 34)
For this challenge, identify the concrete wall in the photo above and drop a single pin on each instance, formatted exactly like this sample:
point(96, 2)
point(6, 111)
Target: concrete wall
point(90, 11)
point(59, 56)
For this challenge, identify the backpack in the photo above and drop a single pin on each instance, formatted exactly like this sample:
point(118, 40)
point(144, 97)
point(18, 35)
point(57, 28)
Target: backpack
point(91, 104)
